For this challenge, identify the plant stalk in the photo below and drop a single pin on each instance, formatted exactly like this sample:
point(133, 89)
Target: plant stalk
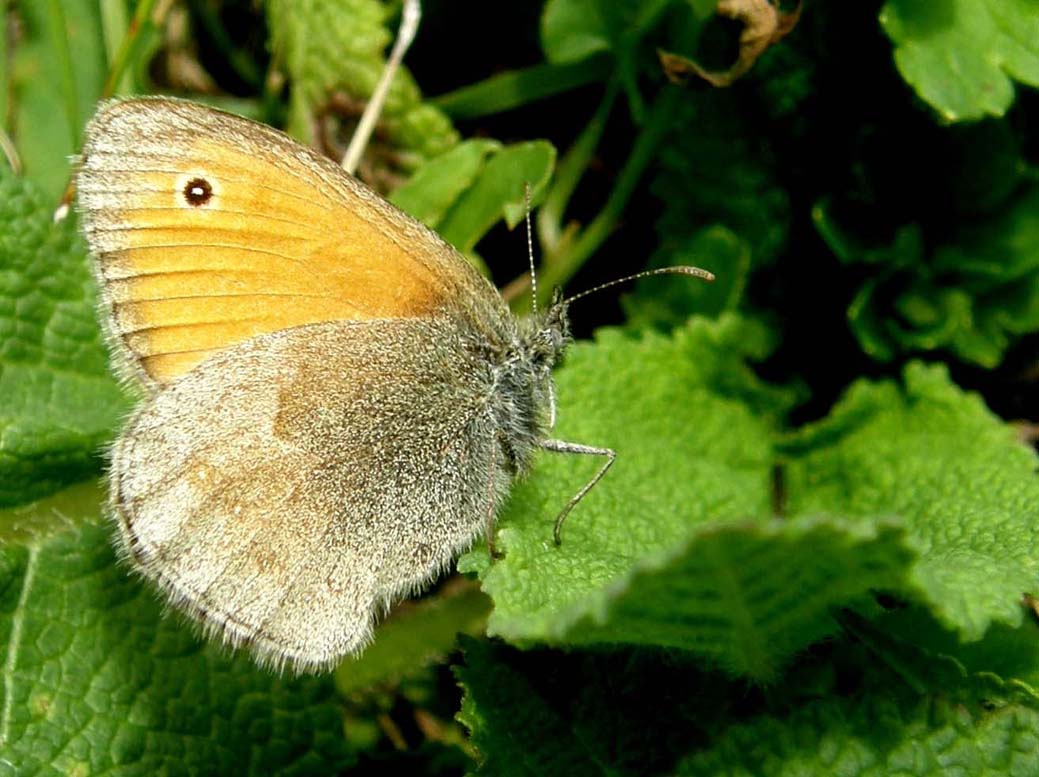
point(60, 40)
point(569, 173)
point(558, 268)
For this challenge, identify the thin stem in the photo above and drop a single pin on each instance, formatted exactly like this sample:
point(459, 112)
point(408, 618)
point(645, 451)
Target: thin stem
point(512, 89)
point(114, 25)
point(569, 173)
point(411, 15)
point(60, 41)
point(5, 69)
point(128, 49)
point(572, 255)
point(10, 152)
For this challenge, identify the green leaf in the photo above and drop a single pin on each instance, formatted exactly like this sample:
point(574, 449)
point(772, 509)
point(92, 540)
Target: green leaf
point(573, 30)
point(957, 477)
point(674, 546)
point(58, 69)
point(929, 672)
point(1008, 652)
point(962, 56)
point(58, 403)
point(972, 294)
point(96, 680)
point(330, 46)
point(576, 31)
point(749, 595)
point(888, 733)
point(498, 192)
point(492, 706)
point(896, 709)
point(641, 712)
point(438, 184)
point(615, 712)
point(716, 577)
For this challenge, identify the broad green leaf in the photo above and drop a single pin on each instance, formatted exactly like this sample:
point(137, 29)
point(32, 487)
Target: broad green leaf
point(971, 294)
point(607, 712)
point(749, 595)
point(888, 733)
point(58, 402)
point(962, 56)
point(330, 46)
point(1008, 652)
point(438, 184)
point(58, 68)
point(498, 192)
point(96, 680)
point(577, 31)
point(673, 546)
point(927, 671)
point(572, 30)
point(639, 712)
point(491, 707)
point(897, 710)
point(957, 477)
point(698, 566)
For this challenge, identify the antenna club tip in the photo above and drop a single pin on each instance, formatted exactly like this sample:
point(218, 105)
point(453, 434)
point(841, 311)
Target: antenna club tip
point(699, 272)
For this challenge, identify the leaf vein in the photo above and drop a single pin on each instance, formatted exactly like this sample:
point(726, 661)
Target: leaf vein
point(14, 643)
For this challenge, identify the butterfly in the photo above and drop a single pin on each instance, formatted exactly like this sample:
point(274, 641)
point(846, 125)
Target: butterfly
point(335, 401)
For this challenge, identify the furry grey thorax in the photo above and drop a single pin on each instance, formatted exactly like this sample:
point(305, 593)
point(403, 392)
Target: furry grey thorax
point(523, 399)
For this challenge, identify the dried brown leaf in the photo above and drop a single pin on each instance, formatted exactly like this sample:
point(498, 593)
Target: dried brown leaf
point(764, 25)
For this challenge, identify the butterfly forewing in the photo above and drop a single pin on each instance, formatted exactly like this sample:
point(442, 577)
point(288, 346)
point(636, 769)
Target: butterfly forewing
point(210, 229)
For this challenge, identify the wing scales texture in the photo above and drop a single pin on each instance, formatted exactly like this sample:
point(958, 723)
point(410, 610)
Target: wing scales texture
point(285, 505)
point(285, 238)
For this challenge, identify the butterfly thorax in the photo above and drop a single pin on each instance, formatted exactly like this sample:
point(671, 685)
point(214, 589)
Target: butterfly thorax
point(523, 399)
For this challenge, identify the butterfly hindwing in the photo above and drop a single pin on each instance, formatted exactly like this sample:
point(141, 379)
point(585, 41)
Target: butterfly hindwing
point(289, 487)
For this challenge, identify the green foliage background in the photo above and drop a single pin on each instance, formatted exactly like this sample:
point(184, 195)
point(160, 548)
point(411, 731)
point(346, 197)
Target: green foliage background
point(817, 551)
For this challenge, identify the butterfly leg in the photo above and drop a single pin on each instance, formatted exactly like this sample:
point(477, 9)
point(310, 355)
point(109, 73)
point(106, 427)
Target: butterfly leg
point(492, 503)
point(561, 446)
point(505, 453)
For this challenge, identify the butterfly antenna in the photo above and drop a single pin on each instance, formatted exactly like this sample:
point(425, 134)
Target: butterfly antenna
point(696, 272)
point(530, 252)
point(410, 16)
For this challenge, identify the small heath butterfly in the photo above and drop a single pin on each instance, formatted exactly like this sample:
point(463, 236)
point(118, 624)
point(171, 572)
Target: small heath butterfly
point(336, 401)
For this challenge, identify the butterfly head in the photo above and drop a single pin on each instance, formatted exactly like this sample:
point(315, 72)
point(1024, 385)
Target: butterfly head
point(549, 334)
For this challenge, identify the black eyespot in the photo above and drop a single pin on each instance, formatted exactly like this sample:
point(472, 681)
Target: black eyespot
point(198, 191)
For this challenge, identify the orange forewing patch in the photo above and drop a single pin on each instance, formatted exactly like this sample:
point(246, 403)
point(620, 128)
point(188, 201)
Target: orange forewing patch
point(274, 247)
